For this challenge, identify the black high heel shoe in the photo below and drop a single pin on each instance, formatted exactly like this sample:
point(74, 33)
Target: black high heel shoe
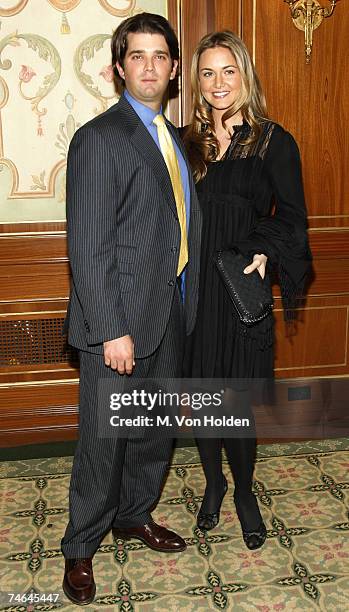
point(253, 538)
point(208, 520)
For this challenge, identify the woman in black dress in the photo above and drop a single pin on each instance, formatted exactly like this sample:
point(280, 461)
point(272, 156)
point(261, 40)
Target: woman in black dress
point(249, 183)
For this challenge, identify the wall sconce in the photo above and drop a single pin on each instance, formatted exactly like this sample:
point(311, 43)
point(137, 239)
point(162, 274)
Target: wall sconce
point(307, 16)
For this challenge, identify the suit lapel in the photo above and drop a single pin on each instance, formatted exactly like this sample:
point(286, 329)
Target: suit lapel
point(145, 145)
point(194, 236)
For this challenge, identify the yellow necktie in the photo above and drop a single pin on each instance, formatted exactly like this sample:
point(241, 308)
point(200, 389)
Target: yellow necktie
point(170, 157)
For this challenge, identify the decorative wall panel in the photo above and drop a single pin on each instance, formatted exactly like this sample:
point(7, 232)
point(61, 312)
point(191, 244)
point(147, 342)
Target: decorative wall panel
point(66, 44)
point(312, 102)
point(33, 341)
point(55, 75)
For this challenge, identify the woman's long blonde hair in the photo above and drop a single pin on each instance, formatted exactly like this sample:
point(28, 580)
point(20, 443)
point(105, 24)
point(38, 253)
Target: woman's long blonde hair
point(200, 136)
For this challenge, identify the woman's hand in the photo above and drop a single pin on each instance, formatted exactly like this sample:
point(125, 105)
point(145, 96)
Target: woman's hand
point(258, 263)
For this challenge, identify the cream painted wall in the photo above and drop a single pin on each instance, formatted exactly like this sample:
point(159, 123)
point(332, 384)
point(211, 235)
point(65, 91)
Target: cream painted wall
point(55, 75)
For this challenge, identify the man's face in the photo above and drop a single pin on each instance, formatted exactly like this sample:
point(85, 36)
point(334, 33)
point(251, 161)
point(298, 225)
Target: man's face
point(148, 67)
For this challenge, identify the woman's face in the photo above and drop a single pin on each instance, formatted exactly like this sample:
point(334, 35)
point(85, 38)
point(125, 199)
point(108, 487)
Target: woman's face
point(219, 78)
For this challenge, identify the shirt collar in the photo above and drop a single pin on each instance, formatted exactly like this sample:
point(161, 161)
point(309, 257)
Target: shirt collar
point(145, 113)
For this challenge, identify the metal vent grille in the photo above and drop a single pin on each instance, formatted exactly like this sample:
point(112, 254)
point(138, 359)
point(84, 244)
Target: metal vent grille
point(34, 341)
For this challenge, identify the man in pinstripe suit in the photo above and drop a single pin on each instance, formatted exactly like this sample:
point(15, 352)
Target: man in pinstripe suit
point(128, 310)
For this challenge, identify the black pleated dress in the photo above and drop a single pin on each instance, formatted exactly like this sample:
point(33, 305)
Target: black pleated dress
point(237, 196)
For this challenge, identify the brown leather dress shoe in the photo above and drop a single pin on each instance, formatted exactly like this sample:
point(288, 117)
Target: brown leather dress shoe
point(78, 584)
point(153, 535)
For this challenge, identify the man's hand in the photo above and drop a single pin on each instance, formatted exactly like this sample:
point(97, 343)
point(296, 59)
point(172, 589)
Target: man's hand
point(119, 354)
point(259, 263)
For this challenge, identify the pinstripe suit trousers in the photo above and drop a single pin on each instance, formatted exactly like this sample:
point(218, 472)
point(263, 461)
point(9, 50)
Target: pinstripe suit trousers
point(116, 481)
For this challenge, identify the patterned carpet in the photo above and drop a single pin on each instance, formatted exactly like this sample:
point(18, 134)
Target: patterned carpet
point(303, 490)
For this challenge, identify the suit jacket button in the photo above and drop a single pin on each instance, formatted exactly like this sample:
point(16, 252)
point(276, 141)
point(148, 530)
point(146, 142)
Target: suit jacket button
point(170, 283)
point(174, 249)
point(87, 326)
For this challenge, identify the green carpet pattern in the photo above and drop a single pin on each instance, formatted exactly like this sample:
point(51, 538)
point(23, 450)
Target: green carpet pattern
point(303, 492)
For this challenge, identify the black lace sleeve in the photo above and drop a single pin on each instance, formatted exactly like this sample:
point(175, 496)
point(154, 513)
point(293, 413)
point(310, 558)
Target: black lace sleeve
point(283, 235)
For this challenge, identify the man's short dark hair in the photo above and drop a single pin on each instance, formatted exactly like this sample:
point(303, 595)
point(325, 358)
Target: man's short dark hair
point(147, 23)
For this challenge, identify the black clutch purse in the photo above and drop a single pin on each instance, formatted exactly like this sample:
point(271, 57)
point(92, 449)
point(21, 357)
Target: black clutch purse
point(251, 295)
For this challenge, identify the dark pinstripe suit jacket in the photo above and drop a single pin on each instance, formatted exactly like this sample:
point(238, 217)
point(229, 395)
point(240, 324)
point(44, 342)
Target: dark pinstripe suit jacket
point(124, 235)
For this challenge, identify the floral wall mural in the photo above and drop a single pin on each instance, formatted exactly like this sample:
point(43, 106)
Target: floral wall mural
point(55, 75)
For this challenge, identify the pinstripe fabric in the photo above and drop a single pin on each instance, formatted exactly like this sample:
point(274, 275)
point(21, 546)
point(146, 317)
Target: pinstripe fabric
point(124, 234)
point(123, 238)
point(116, 480)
